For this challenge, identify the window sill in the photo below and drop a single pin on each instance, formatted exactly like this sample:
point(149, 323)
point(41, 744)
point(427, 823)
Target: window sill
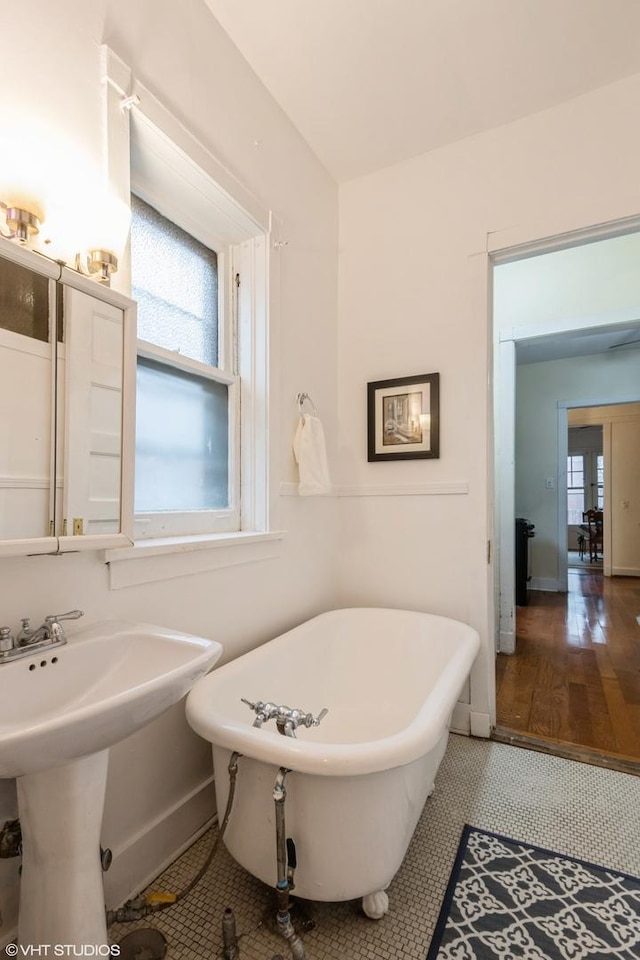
point(163, 559)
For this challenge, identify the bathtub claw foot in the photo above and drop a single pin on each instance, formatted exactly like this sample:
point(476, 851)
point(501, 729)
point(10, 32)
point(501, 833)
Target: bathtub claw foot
point(375, 905)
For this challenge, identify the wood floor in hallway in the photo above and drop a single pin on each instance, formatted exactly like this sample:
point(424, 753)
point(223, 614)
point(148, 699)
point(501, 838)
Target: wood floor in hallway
point(575, 676)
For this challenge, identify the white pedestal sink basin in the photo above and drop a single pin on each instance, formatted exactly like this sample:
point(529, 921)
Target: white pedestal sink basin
point(61, 711)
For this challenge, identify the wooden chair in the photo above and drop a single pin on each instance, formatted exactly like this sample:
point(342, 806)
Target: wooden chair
point(592, 531)
point(581, 542)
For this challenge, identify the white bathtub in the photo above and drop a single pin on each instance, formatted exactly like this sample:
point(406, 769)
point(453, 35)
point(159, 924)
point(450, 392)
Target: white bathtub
point(390, 680)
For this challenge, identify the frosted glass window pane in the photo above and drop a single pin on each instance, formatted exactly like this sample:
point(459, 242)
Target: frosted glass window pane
point(174, 279)
point(182, 441)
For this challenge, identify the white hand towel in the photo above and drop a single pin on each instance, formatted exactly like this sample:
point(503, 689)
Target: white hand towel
point(311, 455)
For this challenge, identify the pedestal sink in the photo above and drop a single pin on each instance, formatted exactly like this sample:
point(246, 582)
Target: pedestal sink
point(61, 711)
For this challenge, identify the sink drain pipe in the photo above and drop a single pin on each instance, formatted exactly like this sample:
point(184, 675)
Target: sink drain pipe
point(140, 907)
point(283, 919)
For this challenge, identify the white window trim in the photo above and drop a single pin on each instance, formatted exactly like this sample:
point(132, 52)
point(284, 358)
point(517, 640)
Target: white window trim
point(164, 559)
point(247, 226)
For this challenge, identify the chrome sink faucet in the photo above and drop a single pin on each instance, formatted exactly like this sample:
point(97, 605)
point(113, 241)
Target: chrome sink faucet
point(49, 634)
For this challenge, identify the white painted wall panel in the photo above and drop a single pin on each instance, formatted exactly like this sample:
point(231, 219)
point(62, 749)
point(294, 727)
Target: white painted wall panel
point(414, 299)
point(181, 53)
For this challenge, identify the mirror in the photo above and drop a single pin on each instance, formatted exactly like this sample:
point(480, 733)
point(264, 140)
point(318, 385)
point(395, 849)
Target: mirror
point(67, 367)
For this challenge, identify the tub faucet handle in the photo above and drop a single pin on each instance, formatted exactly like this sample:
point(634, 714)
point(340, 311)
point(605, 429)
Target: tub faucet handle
point(261, 710)
point(287, 718)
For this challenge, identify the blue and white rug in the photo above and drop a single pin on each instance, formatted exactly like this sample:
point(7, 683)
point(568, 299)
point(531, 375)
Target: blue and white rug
point(512, 901)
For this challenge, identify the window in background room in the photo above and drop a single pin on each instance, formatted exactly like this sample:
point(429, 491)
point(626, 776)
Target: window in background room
point(187, 472)
point(575, 488)
point(599, 481)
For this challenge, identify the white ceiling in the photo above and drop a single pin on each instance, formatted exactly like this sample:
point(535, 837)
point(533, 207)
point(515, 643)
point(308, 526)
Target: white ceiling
point(580, 343)
point(369, 83)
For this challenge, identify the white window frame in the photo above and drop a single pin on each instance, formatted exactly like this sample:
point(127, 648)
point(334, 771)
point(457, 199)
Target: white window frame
point(172, 523)
point(240, 230)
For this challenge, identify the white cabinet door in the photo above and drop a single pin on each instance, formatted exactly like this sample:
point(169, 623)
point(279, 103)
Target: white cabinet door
point(27, 344)
point(94, 373)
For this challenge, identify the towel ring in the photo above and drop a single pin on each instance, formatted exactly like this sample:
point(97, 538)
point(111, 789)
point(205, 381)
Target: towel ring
point(303, 398)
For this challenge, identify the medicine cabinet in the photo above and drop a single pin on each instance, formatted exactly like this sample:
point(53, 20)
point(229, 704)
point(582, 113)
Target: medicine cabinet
point(67, 375)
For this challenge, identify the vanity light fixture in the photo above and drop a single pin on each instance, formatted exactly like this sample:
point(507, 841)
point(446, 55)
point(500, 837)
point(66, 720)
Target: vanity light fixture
point(22, 223)
point(102, 263)
point(99, 264)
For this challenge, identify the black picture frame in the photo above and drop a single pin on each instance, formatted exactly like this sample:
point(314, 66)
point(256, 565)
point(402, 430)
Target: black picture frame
point(403, 418)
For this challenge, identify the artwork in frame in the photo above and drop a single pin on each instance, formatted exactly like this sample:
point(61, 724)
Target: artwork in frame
point(404, 418)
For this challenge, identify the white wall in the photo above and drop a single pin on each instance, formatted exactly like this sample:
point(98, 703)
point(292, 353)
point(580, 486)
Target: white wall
point(50, 74)
point(612, 376)
point(414, 299)
point(582, 281)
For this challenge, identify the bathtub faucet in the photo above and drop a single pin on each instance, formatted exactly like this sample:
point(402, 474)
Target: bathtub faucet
point(287, 718)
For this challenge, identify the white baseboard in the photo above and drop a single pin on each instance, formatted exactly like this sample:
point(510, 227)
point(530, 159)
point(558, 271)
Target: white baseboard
point(480, 724)
point(507, 642)
point(545, 583)
point(145, 855)
point(625, 572)
point(464, 720)
point(460, 719)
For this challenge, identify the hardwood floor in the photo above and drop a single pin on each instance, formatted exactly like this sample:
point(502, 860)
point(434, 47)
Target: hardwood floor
point(575, 676)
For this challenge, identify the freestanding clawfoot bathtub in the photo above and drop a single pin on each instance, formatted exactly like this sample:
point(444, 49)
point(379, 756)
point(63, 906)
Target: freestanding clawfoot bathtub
point(389, 680)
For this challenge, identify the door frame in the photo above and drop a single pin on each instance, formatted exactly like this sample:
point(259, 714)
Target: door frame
point(504, 396)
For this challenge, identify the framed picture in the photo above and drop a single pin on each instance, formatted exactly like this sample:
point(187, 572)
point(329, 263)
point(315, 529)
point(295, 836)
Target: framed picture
point(404, 418)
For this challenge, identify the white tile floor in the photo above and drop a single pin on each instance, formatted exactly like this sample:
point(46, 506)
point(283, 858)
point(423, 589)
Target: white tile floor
point(576, 809)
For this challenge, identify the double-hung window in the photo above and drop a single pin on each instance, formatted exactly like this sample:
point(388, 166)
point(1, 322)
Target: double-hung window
point(200, 270)
point(575, 488)
point(187, 423)
point(585, 484)
point(599, 504)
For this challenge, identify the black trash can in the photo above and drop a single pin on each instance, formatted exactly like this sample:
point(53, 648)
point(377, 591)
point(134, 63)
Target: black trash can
point(524, 532)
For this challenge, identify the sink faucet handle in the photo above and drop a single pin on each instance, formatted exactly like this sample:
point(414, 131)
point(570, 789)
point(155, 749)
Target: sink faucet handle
point(71, 615)
point(25, 633)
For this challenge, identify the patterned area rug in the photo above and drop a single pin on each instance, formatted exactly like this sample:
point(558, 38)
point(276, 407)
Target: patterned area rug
point(511, 901)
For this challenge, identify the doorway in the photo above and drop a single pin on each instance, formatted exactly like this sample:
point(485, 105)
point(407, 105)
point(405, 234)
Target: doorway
point(585, 494)
point(542, 372)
